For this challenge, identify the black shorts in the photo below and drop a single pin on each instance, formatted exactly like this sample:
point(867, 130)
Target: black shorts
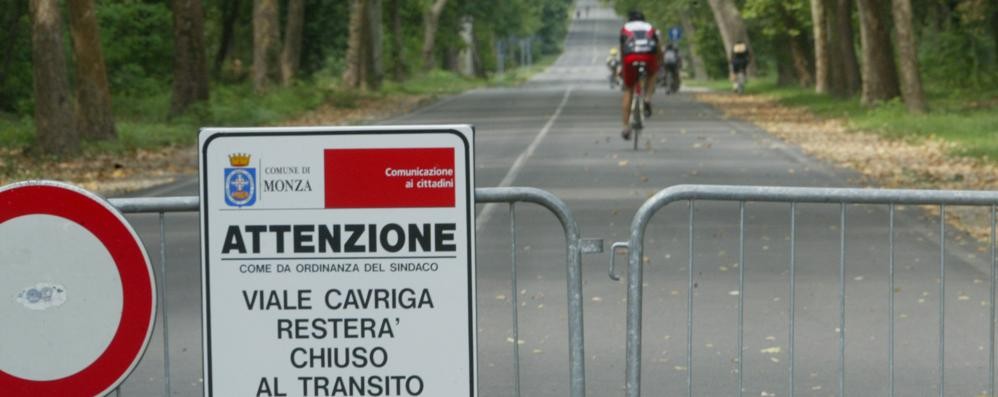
point(739, 65)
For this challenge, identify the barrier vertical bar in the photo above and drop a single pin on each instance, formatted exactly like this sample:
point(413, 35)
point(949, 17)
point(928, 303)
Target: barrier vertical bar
point(793, 291)
point(942, 300)
point(991, 323)
point(162, 302)
point(516, 306)
point(842, 299)
point(689, 314)
point(890, 337)
point(741, 296)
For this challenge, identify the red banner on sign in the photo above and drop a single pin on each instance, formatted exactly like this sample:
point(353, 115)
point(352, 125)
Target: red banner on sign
point(389, 178)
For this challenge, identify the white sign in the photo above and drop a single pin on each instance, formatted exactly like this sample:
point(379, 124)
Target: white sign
point(338, 261)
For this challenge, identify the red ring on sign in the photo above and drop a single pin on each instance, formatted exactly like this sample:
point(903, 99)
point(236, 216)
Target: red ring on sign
point(138, 299)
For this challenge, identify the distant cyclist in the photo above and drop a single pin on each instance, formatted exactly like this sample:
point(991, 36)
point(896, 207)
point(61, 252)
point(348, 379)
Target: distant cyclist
point(672, 62)
point(613, 64)
point(639, 42)
point(740, 58)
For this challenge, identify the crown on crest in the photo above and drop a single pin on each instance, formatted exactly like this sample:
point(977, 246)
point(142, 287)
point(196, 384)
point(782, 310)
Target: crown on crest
point(239, 159)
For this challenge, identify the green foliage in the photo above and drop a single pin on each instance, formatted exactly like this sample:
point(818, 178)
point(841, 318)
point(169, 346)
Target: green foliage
point(555, 14)
point(137, 42)
point(960, 58)
point(15, 64)
point(324, 34)
point(965, 117)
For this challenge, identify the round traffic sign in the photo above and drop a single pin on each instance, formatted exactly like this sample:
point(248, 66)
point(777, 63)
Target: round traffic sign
point(77, 292)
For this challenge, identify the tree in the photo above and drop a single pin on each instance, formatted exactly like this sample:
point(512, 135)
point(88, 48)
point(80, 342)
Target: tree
point(230, 13)
point(782, 25)
point(847, 79)
point(732, 27)
point(266, 40)
point(911, 82)
point(364, 68)
point(54, 125)
point(397, 51)
point(699, 70)
point(797, 44)
point(880, 81)
point(822, 62)
point(431, 21)
point(94, 117)
point(353, 73)
point(190, 71)
point(291, 50)
point(374, 35)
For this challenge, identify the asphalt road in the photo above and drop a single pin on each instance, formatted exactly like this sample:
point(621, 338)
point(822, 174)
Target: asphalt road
point(560, 132)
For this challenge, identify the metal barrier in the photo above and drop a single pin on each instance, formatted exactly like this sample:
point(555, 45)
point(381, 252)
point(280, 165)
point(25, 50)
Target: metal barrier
point(793, 196)
point(576, 246)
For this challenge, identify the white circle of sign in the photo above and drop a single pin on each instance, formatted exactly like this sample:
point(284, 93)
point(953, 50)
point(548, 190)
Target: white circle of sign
point(29, 261)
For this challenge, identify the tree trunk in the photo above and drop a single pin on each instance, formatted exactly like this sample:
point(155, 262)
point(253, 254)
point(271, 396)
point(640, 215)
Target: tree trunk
point(291, 51)
point(467, 55)
point(699, 68)
point(880, 82)
point(230, 13)
point(797, 46)
point(911, 83)
point(785, 74)
point(94, 117)
point(374, 34)
point(732, 28)
point(844, 49)
point(398, 65)
point(56, 132)
point(430, 22)
point(266, 38)
point(994, 26)
point(190, 71)
point(822, 62)
point(353, 74)
point(9, 38)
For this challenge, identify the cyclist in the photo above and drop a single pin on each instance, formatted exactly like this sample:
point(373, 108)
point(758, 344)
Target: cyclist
point(740, 58)
point(673, 62)
point(639, 42)
point(613, 63)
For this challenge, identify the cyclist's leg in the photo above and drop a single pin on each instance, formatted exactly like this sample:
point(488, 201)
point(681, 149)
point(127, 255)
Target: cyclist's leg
point(625, 105)
point(629, 77)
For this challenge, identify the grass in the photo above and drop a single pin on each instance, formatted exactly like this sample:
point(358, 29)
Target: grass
point(968, 118)
point(142, 123)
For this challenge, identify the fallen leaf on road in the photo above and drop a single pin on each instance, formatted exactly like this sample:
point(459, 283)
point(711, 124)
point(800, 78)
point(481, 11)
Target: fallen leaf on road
point(771, 350)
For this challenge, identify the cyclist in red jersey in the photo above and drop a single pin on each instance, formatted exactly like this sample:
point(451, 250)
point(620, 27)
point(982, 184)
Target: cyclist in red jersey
point(639, 42)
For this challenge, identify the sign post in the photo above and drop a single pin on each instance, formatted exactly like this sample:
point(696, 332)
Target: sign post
point(675, 33)
point(338, 261)
point(77, 292)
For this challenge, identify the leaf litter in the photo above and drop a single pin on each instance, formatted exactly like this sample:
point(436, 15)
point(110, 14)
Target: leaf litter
point(928, 163)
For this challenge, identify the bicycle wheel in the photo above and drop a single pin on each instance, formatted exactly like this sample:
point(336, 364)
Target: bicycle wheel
point(637, 117)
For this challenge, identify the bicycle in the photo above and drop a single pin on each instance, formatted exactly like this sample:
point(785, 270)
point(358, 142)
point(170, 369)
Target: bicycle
point(614, 79)
point(740, 82)
point(670, 81)
point(638, 103)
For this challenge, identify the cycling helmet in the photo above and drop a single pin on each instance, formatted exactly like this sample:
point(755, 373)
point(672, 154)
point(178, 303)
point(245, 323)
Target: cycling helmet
point(635, 15)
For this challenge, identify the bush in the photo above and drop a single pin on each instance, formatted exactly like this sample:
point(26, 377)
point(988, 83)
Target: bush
point(958, 58)
point(137, 41)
